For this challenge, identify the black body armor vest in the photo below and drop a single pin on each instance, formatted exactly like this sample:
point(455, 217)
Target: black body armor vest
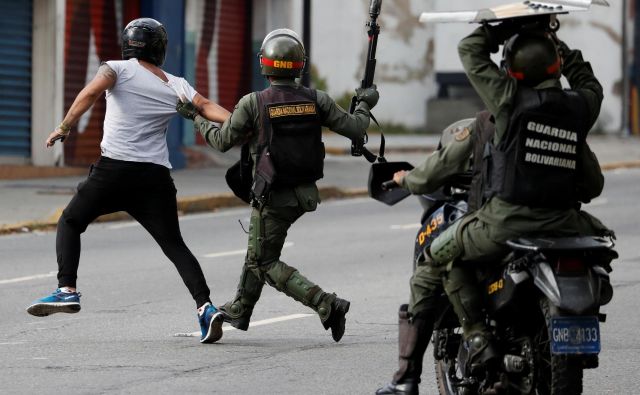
point(291, 128)
point(535, 164)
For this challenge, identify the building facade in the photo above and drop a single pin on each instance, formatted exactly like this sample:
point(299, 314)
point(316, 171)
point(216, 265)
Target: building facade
point(49, 49)
point(53, 48)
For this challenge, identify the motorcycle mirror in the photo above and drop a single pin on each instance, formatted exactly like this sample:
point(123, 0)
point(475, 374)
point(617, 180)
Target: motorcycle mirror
point(381, 172)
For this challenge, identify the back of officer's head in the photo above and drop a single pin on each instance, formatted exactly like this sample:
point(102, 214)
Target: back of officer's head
point(531, 58)
point(282, 55)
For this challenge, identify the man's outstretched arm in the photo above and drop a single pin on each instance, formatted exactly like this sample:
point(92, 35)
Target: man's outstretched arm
point(104, 79)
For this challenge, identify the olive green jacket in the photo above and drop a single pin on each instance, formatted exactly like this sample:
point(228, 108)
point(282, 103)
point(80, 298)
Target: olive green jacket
point(242, 126)
point(497, 91)
point(439, 166)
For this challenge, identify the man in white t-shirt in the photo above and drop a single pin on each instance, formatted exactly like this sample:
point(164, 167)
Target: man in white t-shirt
point(132, 173)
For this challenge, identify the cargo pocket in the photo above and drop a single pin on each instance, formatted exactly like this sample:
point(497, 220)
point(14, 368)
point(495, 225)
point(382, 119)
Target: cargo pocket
point(308, 196)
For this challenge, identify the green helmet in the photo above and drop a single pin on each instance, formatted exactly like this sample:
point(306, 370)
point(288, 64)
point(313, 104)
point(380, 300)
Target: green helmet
point(282, 54)
point(531, 58)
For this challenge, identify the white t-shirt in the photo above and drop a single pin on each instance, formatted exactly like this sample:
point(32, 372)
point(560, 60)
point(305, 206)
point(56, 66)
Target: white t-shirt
point(139, 108)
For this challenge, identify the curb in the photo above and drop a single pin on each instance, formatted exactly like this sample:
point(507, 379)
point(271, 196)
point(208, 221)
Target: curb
point(213, 202)
point(627, 164)
point(186, 205)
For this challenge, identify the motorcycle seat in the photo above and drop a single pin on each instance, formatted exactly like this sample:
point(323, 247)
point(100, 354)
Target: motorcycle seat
point(560, 243)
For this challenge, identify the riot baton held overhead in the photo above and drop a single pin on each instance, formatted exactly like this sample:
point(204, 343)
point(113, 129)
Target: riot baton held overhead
point(357, 148)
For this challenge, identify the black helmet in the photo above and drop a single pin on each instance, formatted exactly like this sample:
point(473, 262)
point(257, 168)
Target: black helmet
point(282, 54)
point(145, 39)
point(531, 58)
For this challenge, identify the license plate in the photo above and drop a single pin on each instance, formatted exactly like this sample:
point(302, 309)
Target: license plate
point(575, 335)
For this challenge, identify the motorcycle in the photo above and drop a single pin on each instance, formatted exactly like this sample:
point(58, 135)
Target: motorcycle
point(542, 302)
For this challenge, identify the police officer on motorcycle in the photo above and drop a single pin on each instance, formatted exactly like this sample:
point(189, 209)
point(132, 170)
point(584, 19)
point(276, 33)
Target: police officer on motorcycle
point(283, 128)
point(531, 169)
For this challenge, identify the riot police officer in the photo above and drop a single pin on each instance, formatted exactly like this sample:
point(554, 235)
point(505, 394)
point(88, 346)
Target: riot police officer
point(282, 127)
point(532, 168)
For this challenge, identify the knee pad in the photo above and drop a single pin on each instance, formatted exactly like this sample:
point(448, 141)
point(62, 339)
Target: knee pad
point(446, 247)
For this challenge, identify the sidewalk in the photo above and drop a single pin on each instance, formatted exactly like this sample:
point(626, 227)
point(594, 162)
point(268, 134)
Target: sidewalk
point(36, 203)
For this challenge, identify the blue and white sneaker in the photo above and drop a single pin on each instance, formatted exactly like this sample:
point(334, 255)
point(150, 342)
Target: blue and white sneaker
point(211, 321)
point(58, 302)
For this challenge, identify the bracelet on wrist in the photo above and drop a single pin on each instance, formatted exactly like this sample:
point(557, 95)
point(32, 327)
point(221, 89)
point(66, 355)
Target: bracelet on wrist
point(64, 128)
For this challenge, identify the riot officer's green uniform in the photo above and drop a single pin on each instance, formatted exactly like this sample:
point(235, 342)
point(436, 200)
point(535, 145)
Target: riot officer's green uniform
point(481, 235)
point(272, 216)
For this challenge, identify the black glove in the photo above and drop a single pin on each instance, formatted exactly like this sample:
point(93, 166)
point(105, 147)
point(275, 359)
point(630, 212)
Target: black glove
point(187, 109)
point(563, 48)
point(368, 95)
point(498, 34)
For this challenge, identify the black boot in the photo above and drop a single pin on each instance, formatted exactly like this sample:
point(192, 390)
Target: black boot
point(234, 313)
point(414, 333)
point(337, 320)
point(482, 352)
point(331, 309)
point(238, 311)
point(466, 297)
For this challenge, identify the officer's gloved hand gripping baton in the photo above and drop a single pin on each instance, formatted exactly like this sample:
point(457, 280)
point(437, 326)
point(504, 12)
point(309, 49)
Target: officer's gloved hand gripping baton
point(357, 146)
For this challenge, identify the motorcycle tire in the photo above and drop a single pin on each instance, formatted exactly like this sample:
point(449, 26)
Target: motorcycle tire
point(555, 374)
point(445, 386)
point(447, 373)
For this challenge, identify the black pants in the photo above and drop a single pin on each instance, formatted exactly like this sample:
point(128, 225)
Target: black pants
point(145, 191)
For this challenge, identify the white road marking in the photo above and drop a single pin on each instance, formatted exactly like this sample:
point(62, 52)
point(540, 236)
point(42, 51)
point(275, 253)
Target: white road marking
point(237, 252)
point(11, 343)
point(406, 226)
point(251, 325)
point(27, 278)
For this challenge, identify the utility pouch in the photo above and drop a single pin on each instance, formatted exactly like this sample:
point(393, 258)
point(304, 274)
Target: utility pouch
point(307, 196)
point(239, 177)
point(263, 179)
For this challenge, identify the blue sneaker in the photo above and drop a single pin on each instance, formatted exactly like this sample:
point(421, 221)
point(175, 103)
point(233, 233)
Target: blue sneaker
point(57, 302)
point(210, 324)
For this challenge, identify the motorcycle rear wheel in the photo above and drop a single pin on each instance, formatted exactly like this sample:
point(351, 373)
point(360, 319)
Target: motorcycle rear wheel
point(447, 372)
point(555, 374)
point(445, 384)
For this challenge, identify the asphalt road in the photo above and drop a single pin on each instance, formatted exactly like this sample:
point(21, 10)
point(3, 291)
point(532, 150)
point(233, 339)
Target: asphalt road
point(124, 339)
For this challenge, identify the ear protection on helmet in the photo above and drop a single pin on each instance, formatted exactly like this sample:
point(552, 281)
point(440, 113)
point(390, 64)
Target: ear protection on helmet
point(513, 48)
